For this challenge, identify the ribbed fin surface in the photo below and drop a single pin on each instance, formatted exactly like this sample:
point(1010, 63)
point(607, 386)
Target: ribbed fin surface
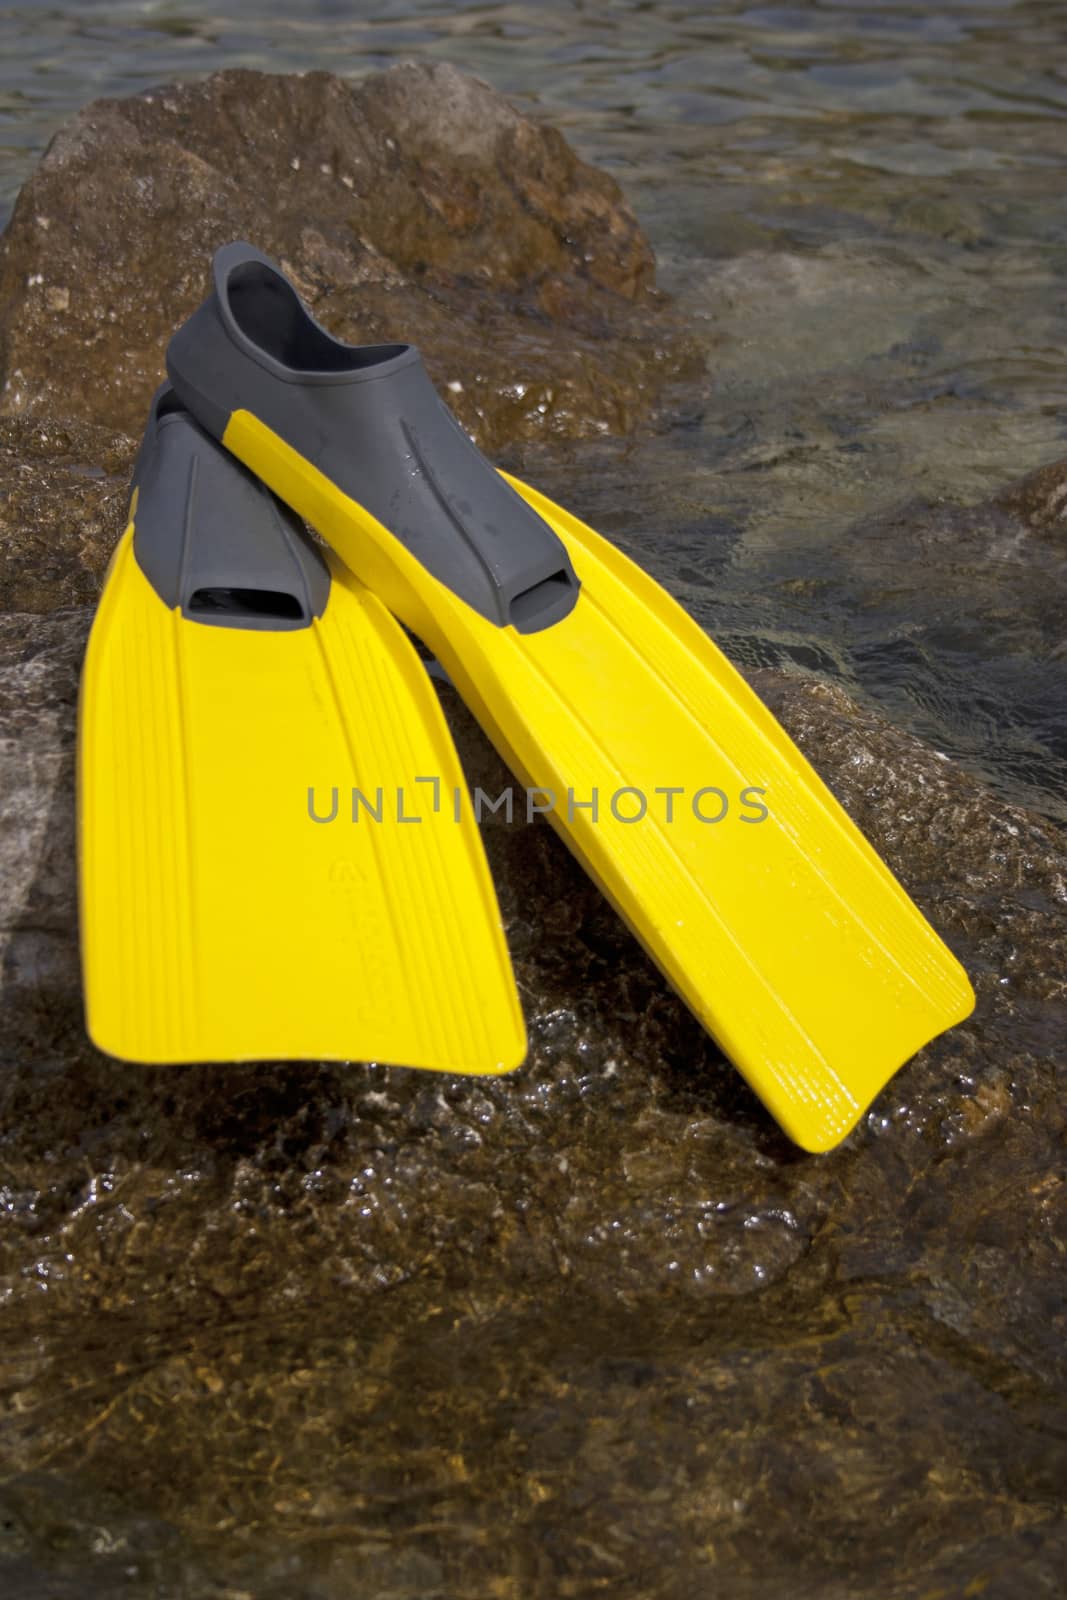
point(218, 920)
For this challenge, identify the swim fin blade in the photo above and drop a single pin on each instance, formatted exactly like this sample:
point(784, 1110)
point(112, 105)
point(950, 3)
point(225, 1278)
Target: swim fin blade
point(789, 938)
point(236, 680)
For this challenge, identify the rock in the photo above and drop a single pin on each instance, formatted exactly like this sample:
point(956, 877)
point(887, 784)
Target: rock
point(64, 488)
point(1039, 500)
point(600, 1303)
point(604, 1276)
point(416, 204)
point(40, 658)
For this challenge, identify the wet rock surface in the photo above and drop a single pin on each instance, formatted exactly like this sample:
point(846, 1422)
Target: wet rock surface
point(64, 489)
point(417, 205)
point(303, 1332)
point(1039, 501)
point(311, 1330)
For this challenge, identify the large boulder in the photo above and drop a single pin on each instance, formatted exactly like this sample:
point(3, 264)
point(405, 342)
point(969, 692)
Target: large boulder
point(414, 205)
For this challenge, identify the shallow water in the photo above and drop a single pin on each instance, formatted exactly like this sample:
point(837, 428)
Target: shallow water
point(230, 1356)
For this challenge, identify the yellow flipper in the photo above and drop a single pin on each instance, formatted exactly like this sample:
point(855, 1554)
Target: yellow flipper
point(789, 938)
point(219, 921)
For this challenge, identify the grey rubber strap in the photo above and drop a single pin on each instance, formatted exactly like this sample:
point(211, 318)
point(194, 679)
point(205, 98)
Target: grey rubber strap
point(211, 540)
point(370, 419)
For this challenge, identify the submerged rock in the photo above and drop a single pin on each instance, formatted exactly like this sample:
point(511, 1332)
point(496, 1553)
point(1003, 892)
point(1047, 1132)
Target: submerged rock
point(1039, 500)
point(415, 205)
point(600, 1305)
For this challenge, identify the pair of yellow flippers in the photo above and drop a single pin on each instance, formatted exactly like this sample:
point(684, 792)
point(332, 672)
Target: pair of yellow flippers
point(744, 879)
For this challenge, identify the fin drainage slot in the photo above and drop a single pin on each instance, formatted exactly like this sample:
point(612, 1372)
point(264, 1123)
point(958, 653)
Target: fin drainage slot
point(544, 603)
point(272, 605)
